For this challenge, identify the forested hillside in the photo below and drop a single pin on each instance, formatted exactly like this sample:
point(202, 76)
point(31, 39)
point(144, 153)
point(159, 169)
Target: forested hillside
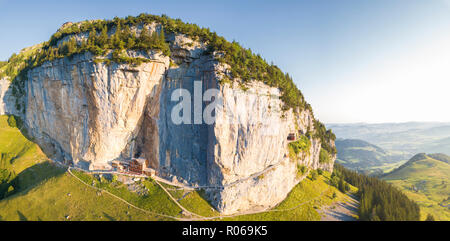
point(379, 201)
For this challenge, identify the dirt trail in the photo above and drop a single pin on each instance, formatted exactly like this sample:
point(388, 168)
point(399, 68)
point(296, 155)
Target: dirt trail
point(346, 210)
point(199, 217)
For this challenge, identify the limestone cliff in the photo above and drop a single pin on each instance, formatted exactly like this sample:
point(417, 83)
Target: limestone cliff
point(89, 112)
point(7, 99)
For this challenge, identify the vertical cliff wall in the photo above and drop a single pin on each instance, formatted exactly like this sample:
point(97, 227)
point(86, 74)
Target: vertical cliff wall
point(7, 99)
point(87, 112)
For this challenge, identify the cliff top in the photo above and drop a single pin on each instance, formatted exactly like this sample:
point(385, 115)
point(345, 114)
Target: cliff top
point(113, 36)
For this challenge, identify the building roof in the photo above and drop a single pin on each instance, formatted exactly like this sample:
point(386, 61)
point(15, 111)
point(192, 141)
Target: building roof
point(140, 160)
point(123, 163)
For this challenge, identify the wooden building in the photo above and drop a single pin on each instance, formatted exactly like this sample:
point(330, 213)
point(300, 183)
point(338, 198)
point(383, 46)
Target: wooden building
point(120, 166)
point(137, 165)
point(149, 172)
point(291, 137)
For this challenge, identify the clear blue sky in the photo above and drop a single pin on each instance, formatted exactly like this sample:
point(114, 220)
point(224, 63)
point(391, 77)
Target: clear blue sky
point(355, 61)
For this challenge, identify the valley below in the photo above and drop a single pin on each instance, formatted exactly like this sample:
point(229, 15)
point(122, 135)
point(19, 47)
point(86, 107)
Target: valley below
point(423, 177)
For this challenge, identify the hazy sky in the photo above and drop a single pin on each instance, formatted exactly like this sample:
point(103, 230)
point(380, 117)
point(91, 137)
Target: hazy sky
point(355, 61)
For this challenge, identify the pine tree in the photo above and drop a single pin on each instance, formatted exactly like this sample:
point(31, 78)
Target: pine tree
point(130, 43)
point(430, 218)
point(144, 38)
point(92, 37)
point(102, 40)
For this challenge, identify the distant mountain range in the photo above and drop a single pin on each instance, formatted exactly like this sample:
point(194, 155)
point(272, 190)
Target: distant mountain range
point(400, 138)
point(383, 150)
point(425, 178)
point(365, 157)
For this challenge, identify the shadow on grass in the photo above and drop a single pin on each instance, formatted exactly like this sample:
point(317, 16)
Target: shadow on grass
point(34, 176)
point(204, 196)
point(21, 216)
point(109, 217)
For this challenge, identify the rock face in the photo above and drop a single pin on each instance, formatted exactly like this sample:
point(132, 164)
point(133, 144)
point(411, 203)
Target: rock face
point(89, 113)
point(7, 99)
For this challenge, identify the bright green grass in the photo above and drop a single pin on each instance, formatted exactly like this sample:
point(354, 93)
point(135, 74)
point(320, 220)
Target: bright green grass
point(156, 200)
point(388, 167)
point(63, 196)
point(24, 152)
point(312, 195)
point(196, 202)
point(47, 192)
point(42, 189)
point(20, 159)
point(176, 192)
point(431, 178)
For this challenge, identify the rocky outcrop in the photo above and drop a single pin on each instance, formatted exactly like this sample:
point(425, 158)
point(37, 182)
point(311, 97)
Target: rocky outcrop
point(87, 112)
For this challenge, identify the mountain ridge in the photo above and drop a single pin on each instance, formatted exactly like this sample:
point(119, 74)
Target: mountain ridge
point(410, 138)
point(366, 157)
point(425, 179)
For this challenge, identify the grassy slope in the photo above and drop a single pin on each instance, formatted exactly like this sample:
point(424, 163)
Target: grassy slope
point(156, 200)
point(47, 192)
point(310, 194)
point(20, 157)
point(431, 179)
point(62, 196)
point(24, 152)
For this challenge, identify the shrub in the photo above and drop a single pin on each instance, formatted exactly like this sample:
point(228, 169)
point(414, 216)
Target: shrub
point(324, 156)
point(314, 175)
point(10, 191)
point(325, 136)
point(301, 145)
point(12, 121)
point(301, 170)
point(319, 171)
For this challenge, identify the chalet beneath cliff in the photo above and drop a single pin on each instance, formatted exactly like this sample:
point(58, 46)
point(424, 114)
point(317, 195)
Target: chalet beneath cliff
point(120, 166)
point(292, 137)
point(140, 166)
